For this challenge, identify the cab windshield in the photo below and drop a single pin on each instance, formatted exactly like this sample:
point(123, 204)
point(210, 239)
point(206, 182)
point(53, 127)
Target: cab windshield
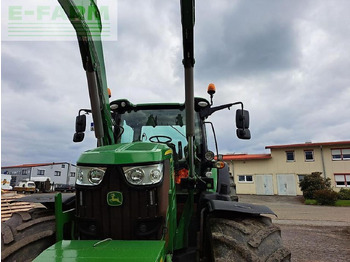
point(142, 125)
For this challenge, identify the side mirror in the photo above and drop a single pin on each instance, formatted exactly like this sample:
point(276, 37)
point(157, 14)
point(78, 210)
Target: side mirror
point(78, 137)
point(80, 123)
point(242, 118)
point(80, 127)
point(243, 133)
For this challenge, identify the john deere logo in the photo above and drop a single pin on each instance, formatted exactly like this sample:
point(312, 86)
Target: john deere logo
point(115, 198)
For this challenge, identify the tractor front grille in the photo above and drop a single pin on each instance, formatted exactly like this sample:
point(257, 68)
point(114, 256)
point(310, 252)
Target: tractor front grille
point(141, 215)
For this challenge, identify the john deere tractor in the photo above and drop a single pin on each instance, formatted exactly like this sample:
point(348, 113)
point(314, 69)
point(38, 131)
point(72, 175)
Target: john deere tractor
point(151, 190)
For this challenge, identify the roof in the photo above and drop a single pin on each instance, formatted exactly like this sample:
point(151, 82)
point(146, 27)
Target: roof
point(35, 165)
point(338, 143)
point(245, 157)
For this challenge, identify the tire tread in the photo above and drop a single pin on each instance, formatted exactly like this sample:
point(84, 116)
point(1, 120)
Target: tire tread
point(252, 238)
point(26, 234)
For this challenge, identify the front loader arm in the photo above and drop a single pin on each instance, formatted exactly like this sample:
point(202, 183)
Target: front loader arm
point(187, 21)
point(89, 38)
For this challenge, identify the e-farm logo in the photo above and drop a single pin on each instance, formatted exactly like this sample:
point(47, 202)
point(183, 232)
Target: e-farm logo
point(46, 20)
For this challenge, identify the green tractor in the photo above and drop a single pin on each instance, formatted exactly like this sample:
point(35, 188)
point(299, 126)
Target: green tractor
point(151, 190)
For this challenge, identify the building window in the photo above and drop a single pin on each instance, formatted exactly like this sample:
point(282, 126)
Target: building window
point(72, 174)
point(342, 180)
point(301, 177)
point(290, 156)
point(57, 173)
point(63, 166)
point(309, 155)
point(245, 179)
point(41, 172)
point(25, 172)
point(341, 154)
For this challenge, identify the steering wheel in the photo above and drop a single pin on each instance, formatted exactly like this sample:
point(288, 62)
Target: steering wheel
point(156, 139)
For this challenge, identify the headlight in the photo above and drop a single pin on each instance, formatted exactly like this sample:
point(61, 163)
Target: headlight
point(144, 175)
point(209, 155)
point(90, 176)
point(135, 176)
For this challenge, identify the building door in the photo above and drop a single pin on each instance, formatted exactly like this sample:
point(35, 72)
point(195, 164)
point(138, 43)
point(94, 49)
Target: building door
point(264, 184)
point(286, 185)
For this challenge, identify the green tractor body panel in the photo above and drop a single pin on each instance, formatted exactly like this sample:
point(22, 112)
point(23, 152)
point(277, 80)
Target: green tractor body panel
point(128, 153)
point(109, 250)
point(214, 175)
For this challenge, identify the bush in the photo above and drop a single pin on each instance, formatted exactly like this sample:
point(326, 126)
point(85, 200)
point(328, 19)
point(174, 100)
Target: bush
point(344, 194)
point(312, 183)
point(326, 197)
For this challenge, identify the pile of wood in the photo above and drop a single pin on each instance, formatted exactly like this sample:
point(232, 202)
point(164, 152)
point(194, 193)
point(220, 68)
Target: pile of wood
point(7, 208)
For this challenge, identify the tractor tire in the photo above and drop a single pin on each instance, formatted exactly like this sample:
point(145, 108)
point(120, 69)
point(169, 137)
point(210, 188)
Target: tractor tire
point(252, 239)
point(26, 234)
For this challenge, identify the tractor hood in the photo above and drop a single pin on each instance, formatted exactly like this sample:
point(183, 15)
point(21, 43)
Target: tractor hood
point(108, 250)
point(130, 153)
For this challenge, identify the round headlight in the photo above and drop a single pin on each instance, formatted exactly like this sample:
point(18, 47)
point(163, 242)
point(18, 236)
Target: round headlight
point(208, 174)
point(80, 175)
point(155, 175)
point(95, 176)
point(202, 103)
point(114, 106)
point(209, 155)
point(136, 175)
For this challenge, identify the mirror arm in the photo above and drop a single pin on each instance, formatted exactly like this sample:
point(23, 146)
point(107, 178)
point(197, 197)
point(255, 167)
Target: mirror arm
point(87, 111)
point(210, 110)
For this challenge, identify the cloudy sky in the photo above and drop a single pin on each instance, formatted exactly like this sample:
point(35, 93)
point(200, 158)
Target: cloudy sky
point(288, 61)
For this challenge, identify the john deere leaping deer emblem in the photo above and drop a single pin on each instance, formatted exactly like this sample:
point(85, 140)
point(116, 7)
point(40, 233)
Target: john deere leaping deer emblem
point(114, 198)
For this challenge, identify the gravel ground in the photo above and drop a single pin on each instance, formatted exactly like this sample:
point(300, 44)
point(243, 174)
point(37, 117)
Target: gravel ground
point(314, 243)
point(312, 233)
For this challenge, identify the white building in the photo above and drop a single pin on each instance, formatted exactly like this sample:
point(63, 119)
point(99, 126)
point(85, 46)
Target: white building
point(58, 173)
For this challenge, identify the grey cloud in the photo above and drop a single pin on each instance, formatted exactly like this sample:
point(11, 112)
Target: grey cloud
point(14, 73)
point(247, 39)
